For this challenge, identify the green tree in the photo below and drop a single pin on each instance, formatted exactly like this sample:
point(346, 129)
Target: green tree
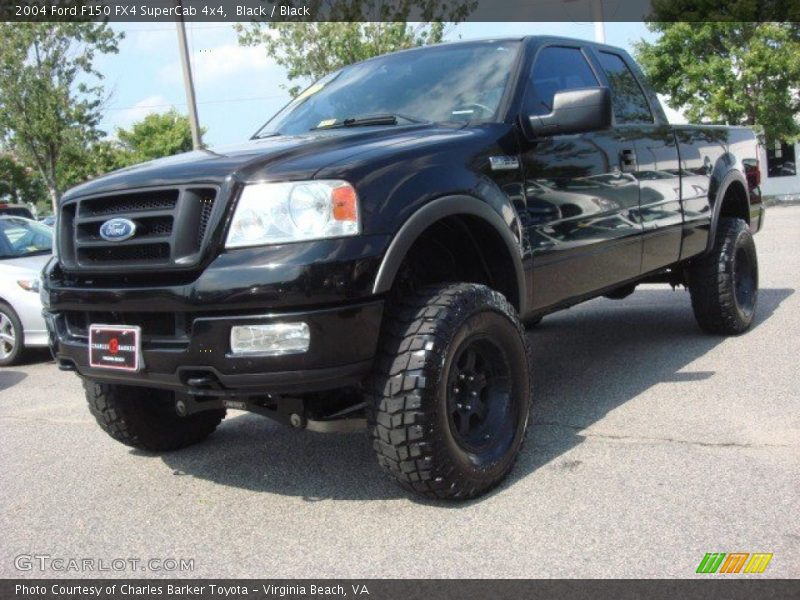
point(50, 94)
point(309, 50)
point(82, 163)
point(738, 73)
point(155, 136)
point(19, 184)
point(708, 11)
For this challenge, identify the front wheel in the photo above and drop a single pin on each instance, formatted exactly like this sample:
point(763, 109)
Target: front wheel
point(724, 283)
point(146, 418)
point(450, 397)
point(11, 336)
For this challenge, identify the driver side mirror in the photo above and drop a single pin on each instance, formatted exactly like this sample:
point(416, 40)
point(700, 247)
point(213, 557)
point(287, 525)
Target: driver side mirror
point(575, 111)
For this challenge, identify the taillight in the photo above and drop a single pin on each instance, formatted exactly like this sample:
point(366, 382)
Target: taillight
point(753, 175)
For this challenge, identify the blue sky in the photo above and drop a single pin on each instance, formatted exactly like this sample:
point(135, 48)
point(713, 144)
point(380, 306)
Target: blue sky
point(238, 88)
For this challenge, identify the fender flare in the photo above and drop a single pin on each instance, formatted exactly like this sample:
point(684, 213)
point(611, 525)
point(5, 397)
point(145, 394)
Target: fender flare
point(730, 177)
point(436, 210)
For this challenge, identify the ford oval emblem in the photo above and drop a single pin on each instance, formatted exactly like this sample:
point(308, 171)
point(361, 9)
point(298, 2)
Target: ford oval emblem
point(117, 230)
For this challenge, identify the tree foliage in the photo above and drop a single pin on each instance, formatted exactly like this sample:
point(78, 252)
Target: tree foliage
point(738, 73)
point(353, 31)
point(707, 11)
point(155, 136)
point(19, 184)
point(50, 93)
point(90, 161)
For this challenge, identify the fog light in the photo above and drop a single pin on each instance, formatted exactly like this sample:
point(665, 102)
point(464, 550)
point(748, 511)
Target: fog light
point(270, 340)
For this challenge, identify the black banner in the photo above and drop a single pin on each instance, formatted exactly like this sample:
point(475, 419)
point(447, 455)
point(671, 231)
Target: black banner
point(405, 589)
point(394, 10)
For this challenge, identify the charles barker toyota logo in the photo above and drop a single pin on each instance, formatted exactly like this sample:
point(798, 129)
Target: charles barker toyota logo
point(74, 564)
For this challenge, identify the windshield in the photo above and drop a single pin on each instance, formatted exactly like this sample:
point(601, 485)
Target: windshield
point(16, 211)
point(462, 82)
point(23, 237)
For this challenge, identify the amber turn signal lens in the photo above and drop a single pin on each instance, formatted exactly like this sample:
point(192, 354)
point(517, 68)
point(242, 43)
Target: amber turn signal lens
point(345, 204)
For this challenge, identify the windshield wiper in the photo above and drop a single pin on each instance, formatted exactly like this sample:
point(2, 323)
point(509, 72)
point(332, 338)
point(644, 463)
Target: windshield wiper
point(368, 120)
point(262, 136)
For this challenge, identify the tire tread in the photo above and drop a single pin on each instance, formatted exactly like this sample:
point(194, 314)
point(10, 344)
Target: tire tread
point(137, 421)
point(401, 424)
point(711, 283)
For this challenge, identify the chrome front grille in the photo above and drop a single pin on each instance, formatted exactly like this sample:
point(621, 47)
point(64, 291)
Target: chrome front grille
point(172, 226)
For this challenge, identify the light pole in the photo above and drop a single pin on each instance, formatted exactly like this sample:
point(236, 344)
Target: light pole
point(597, 17)
point(188, 83)
point(599, 24)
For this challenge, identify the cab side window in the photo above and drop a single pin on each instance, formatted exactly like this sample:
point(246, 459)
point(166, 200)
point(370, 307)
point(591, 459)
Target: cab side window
point(627, 97)
point(557, 68)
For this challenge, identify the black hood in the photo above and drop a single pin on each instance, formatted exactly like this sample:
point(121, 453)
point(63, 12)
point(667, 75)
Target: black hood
point(279, 157)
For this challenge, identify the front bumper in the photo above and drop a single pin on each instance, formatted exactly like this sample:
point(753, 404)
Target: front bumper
point(186, 326)
point(343, 343)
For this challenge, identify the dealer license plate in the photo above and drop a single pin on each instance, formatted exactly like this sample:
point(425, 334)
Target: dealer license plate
point(115, 347)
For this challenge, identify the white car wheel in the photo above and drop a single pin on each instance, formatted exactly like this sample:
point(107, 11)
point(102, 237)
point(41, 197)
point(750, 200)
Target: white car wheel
point(10, 336)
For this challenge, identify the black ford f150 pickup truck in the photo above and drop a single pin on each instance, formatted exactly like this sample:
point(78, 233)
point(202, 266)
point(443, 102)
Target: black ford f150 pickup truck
point(372, 254)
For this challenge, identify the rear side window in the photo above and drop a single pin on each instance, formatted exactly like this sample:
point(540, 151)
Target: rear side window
point(556, 68)
point(627, 98)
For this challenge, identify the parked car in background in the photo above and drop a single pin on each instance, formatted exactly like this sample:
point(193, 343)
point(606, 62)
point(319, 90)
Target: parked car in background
point(15, 210)
point(49, 220)
point(25, 247)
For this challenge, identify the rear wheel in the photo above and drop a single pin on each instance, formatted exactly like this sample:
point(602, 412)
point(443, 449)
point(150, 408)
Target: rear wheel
point(724, 283)
point(450, 398)
point(146, 418)
point(12, 340)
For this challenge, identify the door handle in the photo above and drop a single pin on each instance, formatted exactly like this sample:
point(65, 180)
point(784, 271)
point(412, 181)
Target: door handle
point(627, 160)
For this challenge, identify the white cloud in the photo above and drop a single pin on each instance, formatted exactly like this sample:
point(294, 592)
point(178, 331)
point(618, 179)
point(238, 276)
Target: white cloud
point(151, 104)
point(152, 40)
point(214, 64)
point(162, 38)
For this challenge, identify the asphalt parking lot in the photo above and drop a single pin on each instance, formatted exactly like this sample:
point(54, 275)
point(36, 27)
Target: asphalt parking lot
point(651, 445)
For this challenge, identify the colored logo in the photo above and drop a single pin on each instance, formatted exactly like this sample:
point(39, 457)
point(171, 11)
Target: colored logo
point(734, 562)
point(117, 230)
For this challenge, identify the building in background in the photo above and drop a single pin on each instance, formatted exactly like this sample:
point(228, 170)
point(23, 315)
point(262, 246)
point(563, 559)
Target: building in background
point(779, 176)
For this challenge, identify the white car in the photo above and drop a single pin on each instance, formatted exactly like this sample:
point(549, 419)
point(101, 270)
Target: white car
point(25, 247)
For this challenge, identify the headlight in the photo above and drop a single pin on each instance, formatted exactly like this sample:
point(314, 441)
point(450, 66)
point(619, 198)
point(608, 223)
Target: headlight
point(294, 211)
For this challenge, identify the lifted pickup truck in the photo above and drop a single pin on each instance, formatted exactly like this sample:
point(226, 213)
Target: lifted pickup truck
point(372, 254)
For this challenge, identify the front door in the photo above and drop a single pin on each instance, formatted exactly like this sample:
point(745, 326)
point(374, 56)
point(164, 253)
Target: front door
point(581, 207)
